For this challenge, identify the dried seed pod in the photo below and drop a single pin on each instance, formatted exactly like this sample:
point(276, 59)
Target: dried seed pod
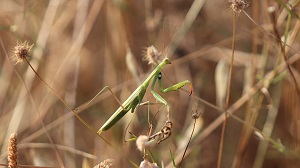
point(164, 133)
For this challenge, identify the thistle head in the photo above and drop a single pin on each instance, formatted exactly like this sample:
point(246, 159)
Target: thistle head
point(21, 51)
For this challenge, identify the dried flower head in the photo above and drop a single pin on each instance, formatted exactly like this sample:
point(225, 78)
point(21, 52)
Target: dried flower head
point(238, 5)
point(21, 51)
point(152, 56)
point(13, 151)
point(147, 164)
point(195, 114)
point(105, 164)
point(143, 142)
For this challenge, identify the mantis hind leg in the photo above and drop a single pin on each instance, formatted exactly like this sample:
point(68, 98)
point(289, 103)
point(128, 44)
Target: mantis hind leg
point(100, 92)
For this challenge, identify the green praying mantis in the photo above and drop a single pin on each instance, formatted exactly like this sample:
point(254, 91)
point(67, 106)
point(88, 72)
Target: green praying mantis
point(137, 96)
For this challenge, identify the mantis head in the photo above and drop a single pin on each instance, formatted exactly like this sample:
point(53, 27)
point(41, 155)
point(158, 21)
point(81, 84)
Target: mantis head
point(166, 61)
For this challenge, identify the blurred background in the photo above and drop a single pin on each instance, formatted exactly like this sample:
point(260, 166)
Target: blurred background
point(82, 46)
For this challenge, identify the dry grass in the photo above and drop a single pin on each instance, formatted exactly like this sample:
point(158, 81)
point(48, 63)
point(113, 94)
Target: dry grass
point(82, 46)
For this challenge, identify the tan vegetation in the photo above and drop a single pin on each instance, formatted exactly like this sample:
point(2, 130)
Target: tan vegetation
point(250, 49)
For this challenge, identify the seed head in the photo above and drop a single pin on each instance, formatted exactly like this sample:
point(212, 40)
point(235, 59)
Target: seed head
point(147, 164)
point(21, 51)
point(107, 163)
point(196, 114)
point(238, 5)
point(152, 56)
point(13, 151)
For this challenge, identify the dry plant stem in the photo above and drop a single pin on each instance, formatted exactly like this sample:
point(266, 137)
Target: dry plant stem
point(70, 96)
point(42, 122)
point(283, 51)
point(254, 40)
point(60, 147)
point(228, 91)
point(270, 35)
point(195, 115)
point(195, 120)
point(288, 8)
point(31, 166)
point(286, 35)
point(7, 76)
point(244, 139)
point(268, 126)
point(251, 119)
point(77, 45)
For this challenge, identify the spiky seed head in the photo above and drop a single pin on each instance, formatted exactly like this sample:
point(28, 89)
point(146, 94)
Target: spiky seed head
point(21, 51)
point(238, 5)
point(152, 56)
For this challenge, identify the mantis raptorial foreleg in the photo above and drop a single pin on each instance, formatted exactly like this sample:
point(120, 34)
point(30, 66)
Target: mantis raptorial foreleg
point(171, 88)
point(174, 87)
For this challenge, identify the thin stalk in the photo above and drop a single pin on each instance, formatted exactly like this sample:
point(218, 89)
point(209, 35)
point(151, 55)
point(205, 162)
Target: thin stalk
point(268, 126)
point(60, 98)
point(195, 120)
point(70, 95)
point(228, 92)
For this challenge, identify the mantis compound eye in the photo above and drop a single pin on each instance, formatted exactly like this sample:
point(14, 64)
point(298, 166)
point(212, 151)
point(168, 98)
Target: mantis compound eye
point(159, 76)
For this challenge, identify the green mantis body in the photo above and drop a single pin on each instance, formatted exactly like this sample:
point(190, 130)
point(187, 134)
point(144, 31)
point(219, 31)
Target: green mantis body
point(137, 96)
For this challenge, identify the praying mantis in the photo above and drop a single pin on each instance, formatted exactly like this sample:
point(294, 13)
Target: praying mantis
point(137, 96)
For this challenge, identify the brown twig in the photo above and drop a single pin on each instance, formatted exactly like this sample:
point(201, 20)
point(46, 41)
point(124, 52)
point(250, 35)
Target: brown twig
point(283, 53)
